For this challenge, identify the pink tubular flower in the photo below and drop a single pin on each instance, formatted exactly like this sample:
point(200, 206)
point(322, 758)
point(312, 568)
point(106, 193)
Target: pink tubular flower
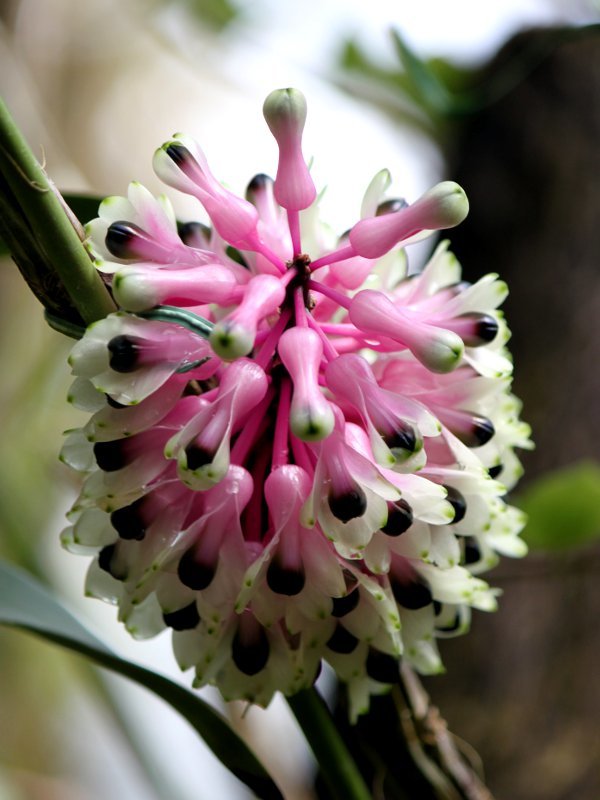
point(294, 455)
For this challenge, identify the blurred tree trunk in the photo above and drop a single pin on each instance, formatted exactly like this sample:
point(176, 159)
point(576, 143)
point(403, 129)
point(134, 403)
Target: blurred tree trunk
point(523, 686)
point(530, 165)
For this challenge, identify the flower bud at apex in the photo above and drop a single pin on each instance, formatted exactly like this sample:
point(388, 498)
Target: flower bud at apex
point(285, 113)
point(443, 206)
point(311, 416)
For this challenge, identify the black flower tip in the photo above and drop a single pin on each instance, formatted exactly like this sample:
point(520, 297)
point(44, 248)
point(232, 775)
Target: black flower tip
point(344, 605)
point(382, 667)
point(129, 521)
point(403, 437)
point(412, 595)
point(495, 471)
point(114, 403)
point(391, 206)
point(458, 503)
point(124, 353)
point(486, 329)
point(107, 562)
point(120, 237)
point(179, 154)
point(194, 573)
point(285, 581)
point(400, 518)
point(250, 654)
point(478, 432)
point(257, 184)
point(184, 619)
point(342, 641)
point(110, 456)
point(197, 456)
point(450, 627)
point(194, 234)
point(349, 505)
point(472, 553)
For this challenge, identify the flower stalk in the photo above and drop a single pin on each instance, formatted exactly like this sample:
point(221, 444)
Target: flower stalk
point(54, 232)
point(339, 770)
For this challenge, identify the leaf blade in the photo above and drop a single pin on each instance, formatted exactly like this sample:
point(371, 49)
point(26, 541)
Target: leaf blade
point(563, 507)
point(26, 605)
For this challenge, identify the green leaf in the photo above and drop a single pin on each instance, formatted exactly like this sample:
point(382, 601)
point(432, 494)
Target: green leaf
point(215, 13)
point(424, 86)
point(338, 768)
point(26, 604)
point(563, 507)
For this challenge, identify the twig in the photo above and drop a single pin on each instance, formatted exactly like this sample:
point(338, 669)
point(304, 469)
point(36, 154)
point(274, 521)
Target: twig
point(432, 732)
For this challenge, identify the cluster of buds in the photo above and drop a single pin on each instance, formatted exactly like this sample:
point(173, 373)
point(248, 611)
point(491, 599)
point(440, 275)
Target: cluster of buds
point(297, 451)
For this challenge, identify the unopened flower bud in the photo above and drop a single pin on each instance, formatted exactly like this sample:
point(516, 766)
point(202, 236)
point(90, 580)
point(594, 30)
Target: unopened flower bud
point(438, 349)
point(285, 113)
point(443, 206)
point(311, 416)
point(137, 288)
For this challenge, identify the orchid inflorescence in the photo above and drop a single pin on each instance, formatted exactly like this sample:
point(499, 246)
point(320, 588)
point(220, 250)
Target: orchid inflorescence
point(297, 451)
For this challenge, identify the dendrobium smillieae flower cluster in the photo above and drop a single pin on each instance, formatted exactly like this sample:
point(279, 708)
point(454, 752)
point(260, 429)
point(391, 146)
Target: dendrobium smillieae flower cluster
point(297, 451)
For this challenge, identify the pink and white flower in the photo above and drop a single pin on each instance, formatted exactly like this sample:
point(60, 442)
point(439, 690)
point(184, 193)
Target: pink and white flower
point(296, 452)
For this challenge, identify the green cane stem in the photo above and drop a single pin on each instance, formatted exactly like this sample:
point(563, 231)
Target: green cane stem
point(54, 231)
point(339, 771)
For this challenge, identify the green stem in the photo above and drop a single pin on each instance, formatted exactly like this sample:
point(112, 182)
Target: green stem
point(55, 234)
point(339, 771)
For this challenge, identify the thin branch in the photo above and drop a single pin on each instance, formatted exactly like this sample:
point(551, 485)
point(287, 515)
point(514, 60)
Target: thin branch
point(433, 732)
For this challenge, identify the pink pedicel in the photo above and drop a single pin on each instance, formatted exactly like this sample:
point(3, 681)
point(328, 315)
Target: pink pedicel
point(285, 113)
point(295, 453)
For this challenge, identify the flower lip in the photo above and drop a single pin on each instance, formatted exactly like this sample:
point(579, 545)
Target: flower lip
point(250, 648)
point(119, 237)
point(400, 518)
point(124, 353)
point(129, 521)
point(194, 573)
point(349, 504)
point(184, 619)
point(344, 605)
point(285, 580)
point(382, 667)
point(342, 641)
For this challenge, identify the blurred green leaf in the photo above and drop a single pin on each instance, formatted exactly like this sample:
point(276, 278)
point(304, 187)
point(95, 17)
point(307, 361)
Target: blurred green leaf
point(563, 507)
point(441, 92)
point(26, 604)
point(216, 13)
point(423, 85)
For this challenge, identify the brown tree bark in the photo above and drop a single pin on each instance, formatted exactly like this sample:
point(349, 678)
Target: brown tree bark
point(524, 685)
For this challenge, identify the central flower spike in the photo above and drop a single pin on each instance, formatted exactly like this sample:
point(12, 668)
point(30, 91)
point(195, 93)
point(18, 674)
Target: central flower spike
point(297, 451)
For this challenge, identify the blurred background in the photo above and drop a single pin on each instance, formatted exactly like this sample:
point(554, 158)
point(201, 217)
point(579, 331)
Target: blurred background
point(502, 96)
